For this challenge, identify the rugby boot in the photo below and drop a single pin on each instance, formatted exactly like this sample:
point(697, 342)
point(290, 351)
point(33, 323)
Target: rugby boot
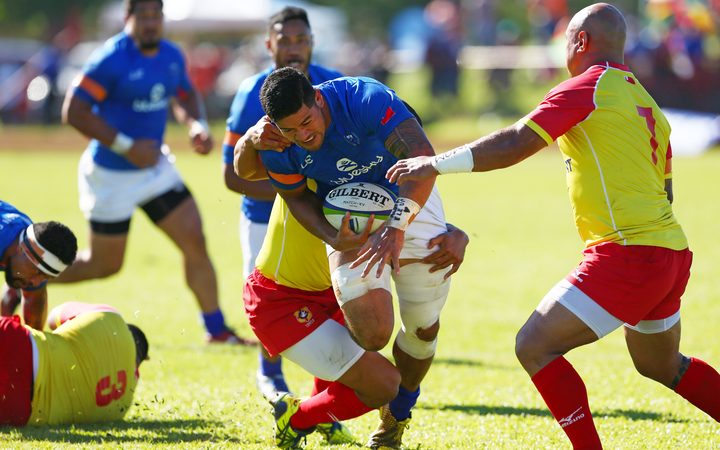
point(287, 437)
point(388, 435)
point(335, 433)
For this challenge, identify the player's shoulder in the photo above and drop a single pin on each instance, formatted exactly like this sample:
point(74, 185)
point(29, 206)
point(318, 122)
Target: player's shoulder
point(9, 214)
point(254, 82)
point(319, 74)
point(171, 49)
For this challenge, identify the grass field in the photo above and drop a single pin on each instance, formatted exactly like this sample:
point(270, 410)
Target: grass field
point(476, 395)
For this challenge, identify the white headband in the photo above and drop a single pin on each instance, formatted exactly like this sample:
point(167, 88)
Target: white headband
point(41, 257)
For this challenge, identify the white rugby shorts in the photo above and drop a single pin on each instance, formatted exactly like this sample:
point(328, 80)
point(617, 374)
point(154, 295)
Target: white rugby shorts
point(252, 235)
point(112, 195)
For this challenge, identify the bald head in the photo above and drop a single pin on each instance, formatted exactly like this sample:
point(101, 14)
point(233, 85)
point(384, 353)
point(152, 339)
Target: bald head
point(598, 31)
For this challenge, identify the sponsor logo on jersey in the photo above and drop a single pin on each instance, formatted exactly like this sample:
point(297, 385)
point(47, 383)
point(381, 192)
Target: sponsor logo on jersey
point(351, 173)
point(572, 418)
point(346, 165)
point(157, 101)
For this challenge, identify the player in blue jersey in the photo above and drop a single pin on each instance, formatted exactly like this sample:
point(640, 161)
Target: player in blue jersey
point(121, 101)
point(31, 254)
point(354, 129)
point(290, 43)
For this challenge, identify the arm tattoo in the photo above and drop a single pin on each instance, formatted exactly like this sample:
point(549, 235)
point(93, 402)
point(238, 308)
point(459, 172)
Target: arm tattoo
point(408, 140)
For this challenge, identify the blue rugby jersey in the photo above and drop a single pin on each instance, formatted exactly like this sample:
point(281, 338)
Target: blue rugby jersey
point(131, 92)
point(12, 222)
point(363, 114)
point(245, 111)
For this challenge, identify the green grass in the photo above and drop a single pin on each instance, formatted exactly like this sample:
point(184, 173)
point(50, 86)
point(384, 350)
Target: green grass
point(475, 396)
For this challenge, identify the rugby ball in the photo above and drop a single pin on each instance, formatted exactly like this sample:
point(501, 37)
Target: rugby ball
point(361, 200)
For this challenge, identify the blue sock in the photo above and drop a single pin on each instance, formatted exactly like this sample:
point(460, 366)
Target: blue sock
point(401, 405)
point(269, 368)
point(214, 322)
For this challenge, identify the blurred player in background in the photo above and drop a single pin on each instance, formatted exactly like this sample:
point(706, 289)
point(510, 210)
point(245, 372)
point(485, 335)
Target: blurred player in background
point(30, 255)
point(354, 129)
point(290, 43)
point(121, 102)
point(615, 142)
point(84, 371)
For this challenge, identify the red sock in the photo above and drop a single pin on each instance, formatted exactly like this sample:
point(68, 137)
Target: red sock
point(319, 385)
point(337, 402)
point(700, 385)
point(564, 393)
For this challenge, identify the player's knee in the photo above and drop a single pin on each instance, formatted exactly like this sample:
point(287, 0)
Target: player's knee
point(430, 333)
point(525, 350)
point(349, 284)
point(416, 347)
point(374, 339)
point(106, 267)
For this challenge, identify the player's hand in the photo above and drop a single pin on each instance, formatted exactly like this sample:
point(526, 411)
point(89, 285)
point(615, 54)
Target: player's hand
point(418, 168)
point(347, 239)
point(143, 153)
point(451, 251)
point(265, 135)
point(382, 247)
point(200, 138)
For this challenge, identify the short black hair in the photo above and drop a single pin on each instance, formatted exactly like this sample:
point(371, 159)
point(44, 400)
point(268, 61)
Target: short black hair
point(287, 14)
point(141, 343)
point(57, 239)
point(131, 4)
point(284, 92)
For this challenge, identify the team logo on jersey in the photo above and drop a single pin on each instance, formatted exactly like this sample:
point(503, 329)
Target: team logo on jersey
point(303, 315)
point(346, 165)
point(157, 101)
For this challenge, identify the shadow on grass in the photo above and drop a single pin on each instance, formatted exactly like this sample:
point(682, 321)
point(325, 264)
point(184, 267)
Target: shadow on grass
point(155, 431)
point(483, 410)
point(459, 362)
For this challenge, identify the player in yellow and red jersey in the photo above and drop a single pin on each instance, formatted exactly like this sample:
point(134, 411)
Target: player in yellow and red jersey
point(85, 370)
point(292, 309)
point(615, 145)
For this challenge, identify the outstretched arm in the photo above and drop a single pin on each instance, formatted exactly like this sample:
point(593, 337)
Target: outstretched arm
point(503, 148)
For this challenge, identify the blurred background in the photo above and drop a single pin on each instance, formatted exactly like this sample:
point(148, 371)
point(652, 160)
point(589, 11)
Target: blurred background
point(465, 61)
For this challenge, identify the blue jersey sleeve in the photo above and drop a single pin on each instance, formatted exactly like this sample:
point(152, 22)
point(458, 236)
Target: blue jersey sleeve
point(281, 170)
point(379, 109)
point(98, 77)
point(185, 85)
